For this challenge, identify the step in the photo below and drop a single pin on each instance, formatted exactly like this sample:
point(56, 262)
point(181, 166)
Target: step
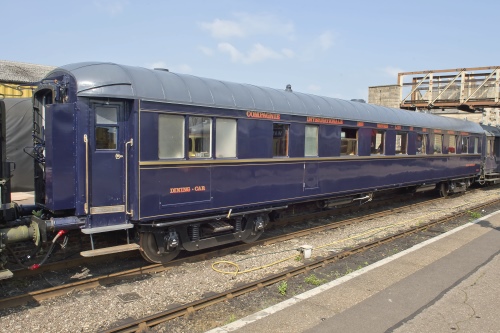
point(89, 231)
point(110, 250)
point(220, 226)
point(5, 274)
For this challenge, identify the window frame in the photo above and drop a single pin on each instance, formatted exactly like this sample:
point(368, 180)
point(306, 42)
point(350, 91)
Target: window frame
point(424, 147)
point(192, 145)
point(440, 136)
point(181, 139)
point(452, 144)
point(467, 142)
point(219, 140)
point(375, 147)
point(404, 135)
point(348, 140)
point(490, 145)
point(113, 124)
point(278, 142)
point(315, 144)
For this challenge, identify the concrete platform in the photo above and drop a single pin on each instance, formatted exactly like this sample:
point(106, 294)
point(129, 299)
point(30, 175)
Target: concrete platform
point(23, 198)
point(448, 284)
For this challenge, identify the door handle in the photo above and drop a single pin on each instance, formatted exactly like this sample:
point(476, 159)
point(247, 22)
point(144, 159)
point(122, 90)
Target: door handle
point(118, 156)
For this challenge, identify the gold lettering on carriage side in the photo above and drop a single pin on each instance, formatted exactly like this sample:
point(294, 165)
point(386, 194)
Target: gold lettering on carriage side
point(324, 121)
point(398, 127)
point(382, 126)
point(437, 131)
point(471, 165)
point(464, 133)
point(174, 190)
point(361, 124)
point(451, 132)
point(263, 115)
point(199, 188)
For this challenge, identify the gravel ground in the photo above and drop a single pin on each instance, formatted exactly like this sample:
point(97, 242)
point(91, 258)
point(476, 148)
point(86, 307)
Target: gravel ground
point(107, 306)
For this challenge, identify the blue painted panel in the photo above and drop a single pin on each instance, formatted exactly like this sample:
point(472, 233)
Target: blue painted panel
point(254, 139)
point(412, 139)
point(149, 136)
point(329, 141)
point(250, 184)
point(246, 185)
point(176, 189)
point(60, 176)
point(297, 142)
point(390, 142)
point(364, 141)
point(81, 120)
point(311, 179)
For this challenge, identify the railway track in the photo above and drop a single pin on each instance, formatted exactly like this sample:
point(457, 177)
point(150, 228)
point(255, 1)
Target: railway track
point(40, 295)
point(307, 267)
point(75, 262)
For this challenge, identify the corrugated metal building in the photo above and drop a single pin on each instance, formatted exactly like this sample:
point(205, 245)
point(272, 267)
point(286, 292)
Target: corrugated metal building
point(14, 75)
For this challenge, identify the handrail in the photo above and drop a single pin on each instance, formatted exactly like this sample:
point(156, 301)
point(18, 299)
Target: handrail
point(131, 143)
point(86, 205)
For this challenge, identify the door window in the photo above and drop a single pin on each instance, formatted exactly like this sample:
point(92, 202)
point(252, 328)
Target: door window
point(106, 128)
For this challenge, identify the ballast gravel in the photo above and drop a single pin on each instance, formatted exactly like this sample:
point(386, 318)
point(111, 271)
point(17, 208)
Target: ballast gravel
point(107, 306)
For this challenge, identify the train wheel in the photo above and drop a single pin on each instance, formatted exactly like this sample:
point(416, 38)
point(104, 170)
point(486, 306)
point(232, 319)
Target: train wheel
point(253, 237)
point(257, 224)
point(149, 249)
point(443, 190)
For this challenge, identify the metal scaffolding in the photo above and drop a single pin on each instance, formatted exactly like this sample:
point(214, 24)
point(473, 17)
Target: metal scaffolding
point(467, 89)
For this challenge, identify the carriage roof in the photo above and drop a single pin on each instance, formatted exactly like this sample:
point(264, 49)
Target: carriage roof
point(99, 79)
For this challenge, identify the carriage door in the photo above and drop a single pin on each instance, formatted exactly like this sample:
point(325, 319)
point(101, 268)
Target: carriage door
point(107, 202)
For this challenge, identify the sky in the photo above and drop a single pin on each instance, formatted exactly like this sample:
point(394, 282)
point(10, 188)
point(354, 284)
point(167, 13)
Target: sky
point(327, 48)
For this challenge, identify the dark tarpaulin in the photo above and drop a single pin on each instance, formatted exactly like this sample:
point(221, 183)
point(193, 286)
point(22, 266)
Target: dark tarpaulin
point(19, 121)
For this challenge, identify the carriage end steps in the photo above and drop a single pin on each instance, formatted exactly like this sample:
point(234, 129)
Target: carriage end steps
point(110, 250)
point(90, 231)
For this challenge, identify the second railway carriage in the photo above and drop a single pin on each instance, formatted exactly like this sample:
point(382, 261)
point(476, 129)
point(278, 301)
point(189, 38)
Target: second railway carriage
point(490, 167)
point(184, 162)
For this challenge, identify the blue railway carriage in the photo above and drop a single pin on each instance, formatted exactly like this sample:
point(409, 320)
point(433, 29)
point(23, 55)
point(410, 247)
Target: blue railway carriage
point(183, 162)
point(490, 168)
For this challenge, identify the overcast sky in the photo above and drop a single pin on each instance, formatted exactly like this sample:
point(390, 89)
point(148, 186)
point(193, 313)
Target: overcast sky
point(330, 48)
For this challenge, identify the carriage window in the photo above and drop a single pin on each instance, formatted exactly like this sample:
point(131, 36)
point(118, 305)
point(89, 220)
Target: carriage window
point(401, 142)
point(170, 136)
point(438, 143)
point(421, 144)
point(489, 147)
point(311, 141)
point(377, 142)
point(280, 140)
point(349, 141)
point(225, 137)
point(465, 144)
point(476, 145)
point(106, 128)
point(452, 144)
point(200, 137)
